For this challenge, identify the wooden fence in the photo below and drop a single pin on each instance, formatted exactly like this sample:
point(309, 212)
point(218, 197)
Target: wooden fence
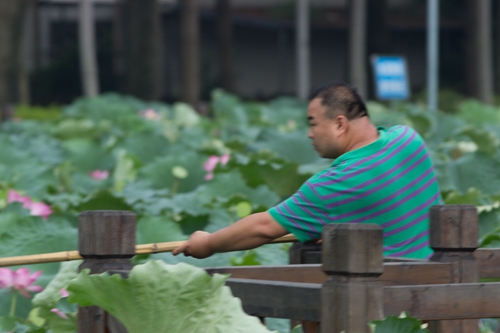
point(353, 285)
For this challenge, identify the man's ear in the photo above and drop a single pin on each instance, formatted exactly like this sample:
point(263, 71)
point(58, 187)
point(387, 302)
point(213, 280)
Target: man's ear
point(341, 123)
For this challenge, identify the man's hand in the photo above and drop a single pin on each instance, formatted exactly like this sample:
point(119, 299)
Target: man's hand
point(248, 233)
point(197, 246)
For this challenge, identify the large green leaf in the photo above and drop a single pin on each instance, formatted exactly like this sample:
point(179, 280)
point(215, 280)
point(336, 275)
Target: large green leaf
point(103, 200)
point(52, 292)
point(265, 168)
point(87, 155)
point(480, 171)
point(159, 173)
point(146, 146)
point(486, 141)
point(32, 235)
point(157, 229)
point(477, 113)
point(51, 297)
point(190, 300)
point(226, 185)
point(294, 146)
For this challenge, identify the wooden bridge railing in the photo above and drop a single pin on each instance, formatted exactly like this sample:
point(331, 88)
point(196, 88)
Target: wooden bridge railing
point(444, 290)
point(352, 286)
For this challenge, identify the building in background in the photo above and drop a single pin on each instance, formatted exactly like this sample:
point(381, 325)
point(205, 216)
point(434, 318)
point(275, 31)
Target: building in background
point(263, 43)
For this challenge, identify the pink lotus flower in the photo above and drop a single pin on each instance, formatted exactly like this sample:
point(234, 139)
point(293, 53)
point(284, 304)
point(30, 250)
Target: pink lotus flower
point(99, 175)
point(59, 313)
point(14, 196)
point(150, 114)
point(64, 293)
point(40, 209)
point(19, 280)
point(35, 208)
point(212, 162)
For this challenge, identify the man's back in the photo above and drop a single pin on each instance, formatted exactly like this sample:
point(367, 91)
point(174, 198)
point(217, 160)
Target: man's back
point(390, 182)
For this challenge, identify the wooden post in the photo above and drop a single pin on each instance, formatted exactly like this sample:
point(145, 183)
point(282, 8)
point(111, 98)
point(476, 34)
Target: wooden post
point(304, 253)
point(106, 241)
point(453, 237)
point(353, 261)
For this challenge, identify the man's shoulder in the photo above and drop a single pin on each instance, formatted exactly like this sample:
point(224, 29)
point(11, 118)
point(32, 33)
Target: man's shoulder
point(403, 132)
point(398, 129)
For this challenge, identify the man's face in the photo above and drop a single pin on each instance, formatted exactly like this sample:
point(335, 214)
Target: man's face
point(324, 132)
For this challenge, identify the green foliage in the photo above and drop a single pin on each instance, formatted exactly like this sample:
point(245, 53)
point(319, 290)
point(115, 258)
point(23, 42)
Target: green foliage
point(154, 154)
point(41, 113)
point(398, 324)
point(190, 300)
point(51, 298)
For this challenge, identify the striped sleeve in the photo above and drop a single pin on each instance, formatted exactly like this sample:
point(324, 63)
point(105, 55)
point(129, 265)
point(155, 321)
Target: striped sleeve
point(301, 214)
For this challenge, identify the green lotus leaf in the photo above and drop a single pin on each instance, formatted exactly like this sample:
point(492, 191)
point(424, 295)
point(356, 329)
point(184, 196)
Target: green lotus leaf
point(159, 172)
point(281, 175)
point(126, 169)
point(157, 297)
point(185, 116)
point(225, 185)
point(157, 229)
point(401, 324)
point(249, 258)
point(145, 145)
point(52, 292)
point(475, 112)
point(480, 171)
point(87, 155)
point(103, 200)
point(32, 235)
point(294, 146)
point(486, 141)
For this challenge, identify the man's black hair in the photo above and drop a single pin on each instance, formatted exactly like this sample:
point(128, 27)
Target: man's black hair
point(340, 98)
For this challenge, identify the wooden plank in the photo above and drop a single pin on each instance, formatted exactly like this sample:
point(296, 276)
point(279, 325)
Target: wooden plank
point(275, 299)
point(309, 273)
point(444, 302)
point(488, 262)
point(301, 301)
point(395, 273)
point(411, 273)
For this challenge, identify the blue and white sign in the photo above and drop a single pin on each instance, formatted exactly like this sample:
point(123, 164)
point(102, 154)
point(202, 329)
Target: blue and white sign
point(391, 78)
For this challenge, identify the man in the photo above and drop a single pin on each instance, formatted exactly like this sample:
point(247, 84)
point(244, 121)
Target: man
point(378, 176)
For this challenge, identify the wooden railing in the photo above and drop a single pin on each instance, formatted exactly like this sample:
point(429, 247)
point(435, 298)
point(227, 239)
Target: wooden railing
point(353, 284)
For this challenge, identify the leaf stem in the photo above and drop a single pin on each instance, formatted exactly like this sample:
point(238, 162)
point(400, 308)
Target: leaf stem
point(175, 185)
point(12, 312)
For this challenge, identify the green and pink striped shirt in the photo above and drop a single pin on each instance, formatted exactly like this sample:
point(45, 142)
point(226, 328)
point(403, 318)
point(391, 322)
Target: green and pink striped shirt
point(390, 182)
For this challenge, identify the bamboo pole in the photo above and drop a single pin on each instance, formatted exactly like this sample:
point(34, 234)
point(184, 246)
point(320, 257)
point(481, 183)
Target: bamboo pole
point(75, 255)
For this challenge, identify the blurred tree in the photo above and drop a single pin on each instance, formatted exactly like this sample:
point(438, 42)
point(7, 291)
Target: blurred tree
point(378, 40)
point(225, 45)
point(88, 61)
point(141, 45)
point(12, 15)
point(119, 61)
point(479, 50)
point(496, 45)
point(190, 39)
point(357, 46)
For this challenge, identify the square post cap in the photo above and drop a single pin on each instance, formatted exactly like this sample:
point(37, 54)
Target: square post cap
point(353, 248)
point(108, 233)
point(453, 227)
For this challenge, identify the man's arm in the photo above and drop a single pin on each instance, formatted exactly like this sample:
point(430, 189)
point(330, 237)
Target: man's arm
point(248, 233)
